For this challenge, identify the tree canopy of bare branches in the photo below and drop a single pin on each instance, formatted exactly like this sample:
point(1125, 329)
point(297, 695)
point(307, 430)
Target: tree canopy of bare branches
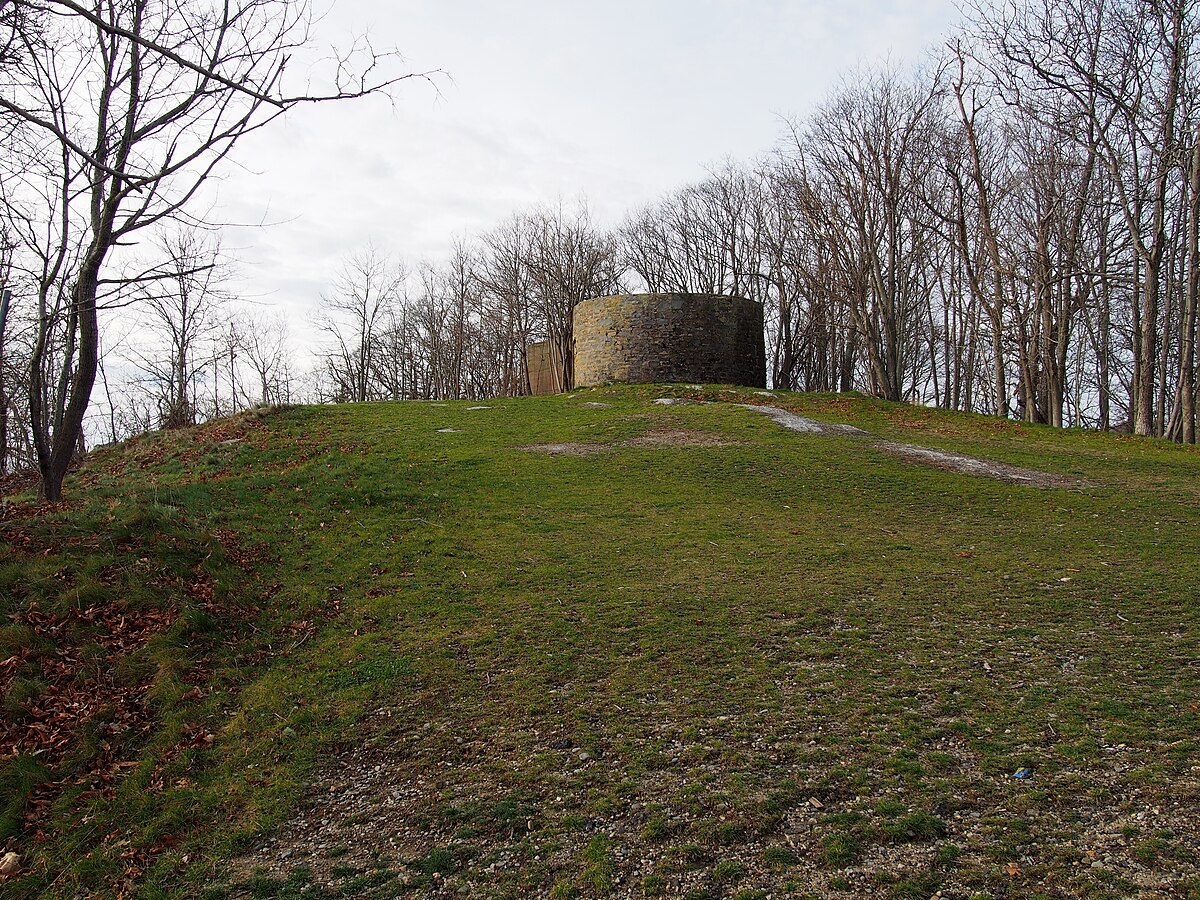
point(1012, 229)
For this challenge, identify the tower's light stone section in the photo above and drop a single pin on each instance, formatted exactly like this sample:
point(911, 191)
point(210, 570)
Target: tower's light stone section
point(641, 338)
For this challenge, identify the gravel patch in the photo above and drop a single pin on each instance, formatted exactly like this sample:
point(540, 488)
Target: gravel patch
point(801, 424)
point(382, 805)
point(940, 459)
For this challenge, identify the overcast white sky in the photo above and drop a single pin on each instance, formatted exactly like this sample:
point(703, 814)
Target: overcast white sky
point(618, 101)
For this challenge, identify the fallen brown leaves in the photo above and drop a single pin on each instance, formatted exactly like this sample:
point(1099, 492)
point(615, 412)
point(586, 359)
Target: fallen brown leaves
point(82, 692)
point(90, 713)
point(245, 558)
point(18, 482)
point(938, 423)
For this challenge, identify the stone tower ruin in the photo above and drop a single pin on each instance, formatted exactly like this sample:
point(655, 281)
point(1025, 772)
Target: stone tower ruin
point(641, 338)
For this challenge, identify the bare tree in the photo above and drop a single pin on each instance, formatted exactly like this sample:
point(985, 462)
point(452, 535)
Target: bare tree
point(861, 164)
point(267, 351)
point(980, 191)
point(571, 261)
point(6, 295)
point(179, 307)
point(703, 238)
point(505, 282)
point(354, 315)
point(460, 291)
point(1188, 327)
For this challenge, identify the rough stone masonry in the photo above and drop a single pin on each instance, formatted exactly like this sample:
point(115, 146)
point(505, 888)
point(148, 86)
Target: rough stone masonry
point(642, 338)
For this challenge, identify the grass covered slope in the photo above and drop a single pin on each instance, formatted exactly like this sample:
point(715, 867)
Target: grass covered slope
point(552, 648)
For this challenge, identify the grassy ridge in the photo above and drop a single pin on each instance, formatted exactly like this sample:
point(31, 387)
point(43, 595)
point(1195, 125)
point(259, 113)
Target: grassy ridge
point(790, 663)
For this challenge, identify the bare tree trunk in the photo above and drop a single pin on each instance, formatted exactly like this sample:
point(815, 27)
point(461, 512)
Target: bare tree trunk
point(65, 441)
point(995, 303)
point(1145, 381)
point(5, 302)
point(1187, 362)
point(1104, 333)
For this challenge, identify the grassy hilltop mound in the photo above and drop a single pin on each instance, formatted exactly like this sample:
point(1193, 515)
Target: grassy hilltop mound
point(591, 645)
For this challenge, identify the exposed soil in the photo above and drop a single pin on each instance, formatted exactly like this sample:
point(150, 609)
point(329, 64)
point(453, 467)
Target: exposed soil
point(676, 437)
point(661, 437)
point(573, 448)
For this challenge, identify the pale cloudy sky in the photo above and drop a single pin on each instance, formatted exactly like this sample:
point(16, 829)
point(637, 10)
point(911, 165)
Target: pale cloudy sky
point(617, 101)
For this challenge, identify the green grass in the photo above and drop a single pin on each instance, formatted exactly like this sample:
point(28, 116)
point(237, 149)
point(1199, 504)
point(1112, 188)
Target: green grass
point(726, 627)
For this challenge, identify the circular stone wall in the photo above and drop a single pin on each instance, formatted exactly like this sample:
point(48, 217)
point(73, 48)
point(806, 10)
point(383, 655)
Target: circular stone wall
point(640, 338)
